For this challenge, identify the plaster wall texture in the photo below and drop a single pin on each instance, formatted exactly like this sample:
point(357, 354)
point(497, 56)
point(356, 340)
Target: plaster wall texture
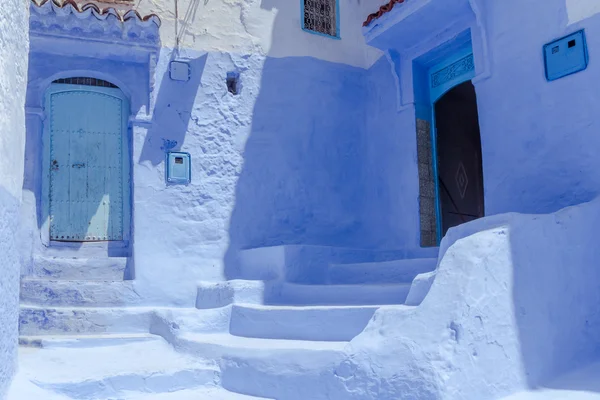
point(269, 165)
point(482, 332)
point(538, 141)
point(538, 137)
point(390, 164)
point(13, 74)
point(270, 27)
point(316, 152)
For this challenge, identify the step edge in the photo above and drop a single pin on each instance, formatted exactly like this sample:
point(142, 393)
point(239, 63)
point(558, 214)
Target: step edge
point(220, 339)
point(400, 261)
point(283, 307)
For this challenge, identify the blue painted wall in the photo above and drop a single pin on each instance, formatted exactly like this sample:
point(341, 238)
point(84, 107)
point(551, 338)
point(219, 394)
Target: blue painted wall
point(282, 162)
point(13, 78)
point(302, 179)
point(391, 211)
point(9, 285)
point(279, 163)
point(315, 152)
point(539, 138)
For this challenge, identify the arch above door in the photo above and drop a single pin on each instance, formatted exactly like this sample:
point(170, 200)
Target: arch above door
point(454, 70)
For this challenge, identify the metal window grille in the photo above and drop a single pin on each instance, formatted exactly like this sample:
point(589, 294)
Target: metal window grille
point(85, 82)
point(321, 16)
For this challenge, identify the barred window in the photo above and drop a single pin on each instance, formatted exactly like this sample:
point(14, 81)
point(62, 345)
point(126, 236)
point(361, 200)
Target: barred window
point(321, 16)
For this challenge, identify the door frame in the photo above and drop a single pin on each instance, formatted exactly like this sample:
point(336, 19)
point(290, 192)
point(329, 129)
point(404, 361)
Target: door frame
point(125, 154)
point(454, 78)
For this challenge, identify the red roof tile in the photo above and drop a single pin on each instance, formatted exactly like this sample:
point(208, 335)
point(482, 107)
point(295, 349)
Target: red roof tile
point(382, 10)
point(100, 12)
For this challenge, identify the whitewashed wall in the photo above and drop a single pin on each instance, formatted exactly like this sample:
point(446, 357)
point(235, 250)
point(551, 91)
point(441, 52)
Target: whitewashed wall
point(14, 46)
point(269, 27)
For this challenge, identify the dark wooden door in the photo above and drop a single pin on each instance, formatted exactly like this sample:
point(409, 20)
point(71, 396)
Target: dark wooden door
point(460, 172)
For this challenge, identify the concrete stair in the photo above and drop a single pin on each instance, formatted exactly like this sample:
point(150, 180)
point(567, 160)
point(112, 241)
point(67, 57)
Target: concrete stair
point(270, 337)
point(40, 320)
point(305, 295)
point(385, 272)
point(55, 321)
point(210, 393)
point(79, 293)
point(310, 264)
point(73, 268)
point(220, 294)
point(332, 323)
point(84, 341)
point(279, 369)
point(105, 372)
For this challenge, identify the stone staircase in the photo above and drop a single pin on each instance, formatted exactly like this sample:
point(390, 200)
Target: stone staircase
point(272, 333)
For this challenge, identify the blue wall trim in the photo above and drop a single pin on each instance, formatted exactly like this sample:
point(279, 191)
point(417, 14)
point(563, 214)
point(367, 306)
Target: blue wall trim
point(438, 91)
point(337, 22)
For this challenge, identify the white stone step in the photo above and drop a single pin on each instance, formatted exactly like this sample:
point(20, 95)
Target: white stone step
point(35, 320)
point(396, 271)
point(98, 269)
point(218, 345)
point(420, 288)
point(53, 321)
point(279, 369)
point(381, 294)
point(209, 393)
point(79, 293)
point(83, 341)
point(108, 371)
point(220, 294)
point(308, 263)
point(315, 323)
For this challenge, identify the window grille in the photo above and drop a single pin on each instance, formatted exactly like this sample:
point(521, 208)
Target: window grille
point(321, 16)
point(85, 82)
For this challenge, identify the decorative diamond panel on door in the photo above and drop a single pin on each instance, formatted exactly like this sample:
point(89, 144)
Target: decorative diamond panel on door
point(86, 166)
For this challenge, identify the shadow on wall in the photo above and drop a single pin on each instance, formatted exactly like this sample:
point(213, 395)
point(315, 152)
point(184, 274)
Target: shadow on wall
point(173, 110)
point(514, 305)
point(553, 159)
point(555, 273)
point(556, 292)
point(556, 283)
point(73, 158)
point(174, 103)
point(301, 181)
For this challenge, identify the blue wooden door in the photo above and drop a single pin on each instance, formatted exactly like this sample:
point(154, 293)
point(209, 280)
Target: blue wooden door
point(87, 186)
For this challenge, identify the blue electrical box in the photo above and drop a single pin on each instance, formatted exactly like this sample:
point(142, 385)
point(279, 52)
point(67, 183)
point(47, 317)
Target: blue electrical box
point(180, 71)
point(179, 168)
point(565, 56)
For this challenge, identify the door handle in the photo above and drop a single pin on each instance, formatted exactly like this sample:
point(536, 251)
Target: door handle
point(78, 165)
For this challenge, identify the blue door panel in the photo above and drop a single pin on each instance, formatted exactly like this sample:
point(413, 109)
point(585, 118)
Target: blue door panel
point(86, 179)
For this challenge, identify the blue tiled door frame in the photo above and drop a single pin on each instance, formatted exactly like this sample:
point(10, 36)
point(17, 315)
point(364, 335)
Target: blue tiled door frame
point(125, 154)
point(460, 68)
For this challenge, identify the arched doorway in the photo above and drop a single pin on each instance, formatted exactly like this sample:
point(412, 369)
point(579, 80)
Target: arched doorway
point(88, 168)
point(458, 157)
